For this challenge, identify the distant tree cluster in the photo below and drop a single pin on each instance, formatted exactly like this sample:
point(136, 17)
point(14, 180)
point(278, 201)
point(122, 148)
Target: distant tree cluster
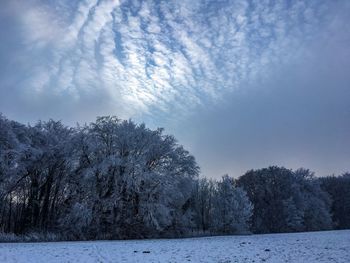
point(114, 179)
point(286, 200)
point(338, 189)
point(221, 207)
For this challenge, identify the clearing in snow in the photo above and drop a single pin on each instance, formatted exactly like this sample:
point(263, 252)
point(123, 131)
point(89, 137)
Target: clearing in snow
point(327, 246)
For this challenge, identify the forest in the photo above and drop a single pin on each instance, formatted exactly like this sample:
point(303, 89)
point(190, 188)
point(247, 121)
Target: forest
point(116, 179)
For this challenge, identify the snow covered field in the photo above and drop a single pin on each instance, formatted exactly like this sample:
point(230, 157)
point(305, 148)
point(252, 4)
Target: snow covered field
point(330, 246)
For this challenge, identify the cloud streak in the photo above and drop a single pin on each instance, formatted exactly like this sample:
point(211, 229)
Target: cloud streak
point(158, 57)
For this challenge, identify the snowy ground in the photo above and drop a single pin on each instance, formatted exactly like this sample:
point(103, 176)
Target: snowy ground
point(330, 246)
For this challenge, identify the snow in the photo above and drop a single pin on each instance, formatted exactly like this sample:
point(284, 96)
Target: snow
point(327, 246)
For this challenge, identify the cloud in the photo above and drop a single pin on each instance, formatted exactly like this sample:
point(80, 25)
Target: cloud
point(158, 57)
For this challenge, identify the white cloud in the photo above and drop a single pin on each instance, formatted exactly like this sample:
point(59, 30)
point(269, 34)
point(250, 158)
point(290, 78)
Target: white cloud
point(166, 56)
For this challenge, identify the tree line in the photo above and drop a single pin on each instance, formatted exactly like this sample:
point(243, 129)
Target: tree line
point(115, 179)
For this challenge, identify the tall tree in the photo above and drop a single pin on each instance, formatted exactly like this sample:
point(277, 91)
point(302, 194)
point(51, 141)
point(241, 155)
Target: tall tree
point(286, 201)
point(338, 188)
point(232, 210)
point(139, 180)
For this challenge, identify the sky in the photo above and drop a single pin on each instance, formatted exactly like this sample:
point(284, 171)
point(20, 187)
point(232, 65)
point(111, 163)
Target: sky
point(241, 84)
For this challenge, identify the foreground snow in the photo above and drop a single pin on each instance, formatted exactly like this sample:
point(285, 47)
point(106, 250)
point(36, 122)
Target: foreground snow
point(330, 246)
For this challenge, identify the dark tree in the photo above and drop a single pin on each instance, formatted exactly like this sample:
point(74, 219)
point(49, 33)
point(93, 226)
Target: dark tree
point(338, 188)
point(286, 201)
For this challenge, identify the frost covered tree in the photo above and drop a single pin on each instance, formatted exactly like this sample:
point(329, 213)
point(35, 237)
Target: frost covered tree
point(203, 204)
point(286, 200)
point(115, 179)
point(338, 189)
point(232, 209)
point(139, 181)
point(315, 203)
point(110, 179)
point(220, 207)
point(36, 162)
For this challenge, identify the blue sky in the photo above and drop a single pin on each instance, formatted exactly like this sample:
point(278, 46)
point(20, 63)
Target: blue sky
point(242, 84)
